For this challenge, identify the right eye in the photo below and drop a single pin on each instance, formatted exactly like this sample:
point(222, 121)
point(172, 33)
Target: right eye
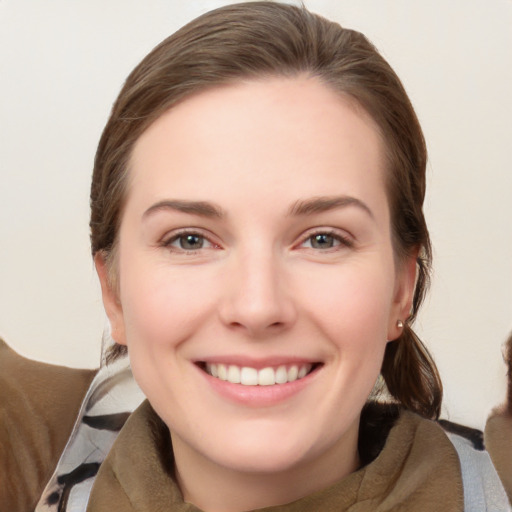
point(188, 241)
point(322, 241)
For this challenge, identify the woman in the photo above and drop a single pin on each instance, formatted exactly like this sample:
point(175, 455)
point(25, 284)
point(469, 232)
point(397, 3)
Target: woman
point(258, 232)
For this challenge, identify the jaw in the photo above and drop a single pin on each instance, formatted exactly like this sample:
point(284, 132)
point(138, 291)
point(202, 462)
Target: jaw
point(273, 467)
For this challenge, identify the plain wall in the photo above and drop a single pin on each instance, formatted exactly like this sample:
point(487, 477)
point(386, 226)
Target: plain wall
point(61, 65)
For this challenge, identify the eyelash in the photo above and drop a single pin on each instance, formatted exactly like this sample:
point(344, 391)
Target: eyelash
point(339, 239)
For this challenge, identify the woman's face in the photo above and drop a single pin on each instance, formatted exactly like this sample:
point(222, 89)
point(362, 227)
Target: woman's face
point(258, 286)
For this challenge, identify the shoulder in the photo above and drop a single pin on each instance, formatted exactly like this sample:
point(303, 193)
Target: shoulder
point(38, 406)
point(483, 489)
point(434, 447)
point(498, 441)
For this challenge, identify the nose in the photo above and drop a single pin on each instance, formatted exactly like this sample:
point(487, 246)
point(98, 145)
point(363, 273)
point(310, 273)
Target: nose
point(256, 298)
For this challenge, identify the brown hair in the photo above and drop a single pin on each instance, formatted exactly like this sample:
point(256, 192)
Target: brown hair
point(257, 39)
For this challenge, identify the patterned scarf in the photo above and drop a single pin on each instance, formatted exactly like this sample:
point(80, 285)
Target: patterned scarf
point(111, 398)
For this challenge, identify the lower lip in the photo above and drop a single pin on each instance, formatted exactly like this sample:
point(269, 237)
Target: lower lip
point(259, 396)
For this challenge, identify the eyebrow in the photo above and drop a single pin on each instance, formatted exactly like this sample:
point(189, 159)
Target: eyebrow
point(301, 207)
point(327, 203)
point(201, 208)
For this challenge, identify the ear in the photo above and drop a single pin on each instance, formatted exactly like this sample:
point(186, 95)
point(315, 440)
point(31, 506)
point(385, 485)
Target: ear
point(405, 283)
point(111, 301)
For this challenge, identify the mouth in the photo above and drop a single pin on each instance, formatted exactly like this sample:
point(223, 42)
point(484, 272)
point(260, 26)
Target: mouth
point(267, 376)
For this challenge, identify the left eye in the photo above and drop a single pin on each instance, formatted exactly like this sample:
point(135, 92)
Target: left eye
point(188, 242)
point(323, 241)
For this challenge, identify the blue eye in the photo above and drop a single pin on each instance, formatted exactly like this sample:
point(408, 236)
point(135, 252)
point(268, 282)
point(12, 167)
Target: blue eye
point(187, 242)
point(190, 242)
point(323, 241)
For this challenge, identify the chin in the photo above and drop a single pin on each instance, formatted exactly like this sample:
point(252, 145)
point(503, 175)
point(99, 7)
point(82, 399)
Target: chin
point(265, 452)
point(263, 461)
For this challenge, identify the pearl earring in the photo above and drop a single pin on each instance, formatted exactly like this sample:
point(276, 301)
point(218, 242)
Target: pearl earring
point(400, 324)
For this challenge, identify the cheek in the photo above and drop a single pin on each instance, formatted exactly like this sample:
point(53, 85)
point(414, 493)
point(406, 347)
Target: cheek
point(162, 306)
point(162, 311)
point(354, 304)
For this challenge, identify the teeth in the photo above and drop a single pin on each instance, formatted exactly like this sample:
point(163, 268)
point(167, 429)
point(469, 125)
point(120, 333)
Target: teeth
point(249, 376)
point(267, 377)
point(281, 375)
point(252, 377)
point(234, 374)
point(212, 370)
point(222, 372)
point(302, 372)
point(293, 373)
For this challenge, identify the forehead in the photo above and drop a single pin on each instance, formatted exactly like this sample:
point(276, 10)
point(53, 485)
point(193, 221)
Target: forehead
point(286, 132)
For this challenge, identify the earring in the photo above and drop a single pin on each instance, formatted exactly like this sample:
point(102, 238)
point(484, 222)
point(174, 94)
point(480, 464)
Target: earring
point(399, 324)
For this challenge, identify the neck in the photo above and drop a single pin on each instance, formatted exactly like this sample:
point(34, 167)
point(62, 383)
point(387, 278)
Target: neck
point(215, 488)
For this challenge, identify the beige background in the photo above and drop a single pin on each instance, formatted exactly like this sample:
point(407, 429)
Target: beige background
point(61, 66)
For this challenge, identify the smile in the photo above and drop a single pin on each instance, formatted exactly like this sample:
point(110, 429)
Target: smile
point(268, 376)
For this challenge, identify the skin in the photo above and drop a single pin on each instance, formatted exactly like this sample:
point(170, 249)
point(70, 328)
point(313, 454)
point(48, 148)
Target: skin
point(296, 265)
